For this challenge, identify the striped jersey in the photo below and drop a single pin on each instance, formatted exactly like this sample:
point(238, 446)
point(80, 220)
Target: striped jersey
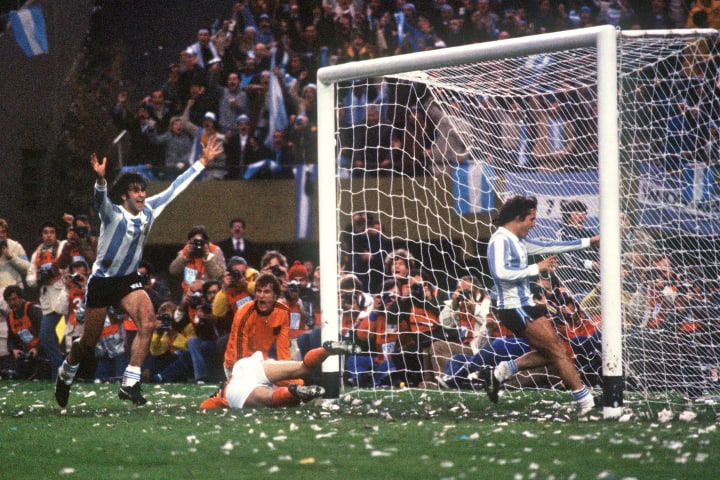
point(508, 262)
point(123, 235)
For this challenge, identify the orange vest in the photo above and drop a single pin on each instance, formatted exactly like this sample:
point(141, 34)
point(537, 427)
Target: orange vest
point(195, 267)
point(298, 325)
point(252, 332)
point(77, 298)
point(23, 328)
point(48, 257)
point(422, 320)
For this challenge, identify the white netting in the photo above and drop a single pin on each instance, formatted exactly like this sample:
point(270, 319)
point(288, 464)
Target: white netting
point(424, 157)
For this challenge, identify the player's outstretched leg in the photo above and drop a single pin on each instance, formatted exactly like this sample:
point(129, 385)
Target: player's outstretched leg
point(341, 347)
point(492, 384)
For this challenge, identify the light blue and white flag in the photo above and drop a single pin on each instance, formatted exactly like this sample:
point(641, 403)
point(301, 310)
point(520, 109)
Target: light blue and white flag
point(305, 188)
point(254, 168)
point(28, 24)
point(276, 105)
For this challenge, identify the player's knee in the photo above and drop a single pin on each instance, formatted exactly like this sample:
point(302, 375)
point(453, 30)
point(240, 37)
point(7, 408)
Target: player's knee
point(80, 348)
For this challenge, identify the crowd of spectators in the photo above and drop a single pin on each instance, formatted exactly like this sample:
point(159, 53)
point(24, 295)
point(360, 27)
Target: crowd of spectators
point(219, 87)
point(193, 326)
point(254, 72)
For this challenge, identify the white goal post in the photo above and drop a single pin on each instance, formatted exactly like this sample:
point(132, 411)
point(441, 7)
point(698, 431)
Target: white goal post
point(604, 39)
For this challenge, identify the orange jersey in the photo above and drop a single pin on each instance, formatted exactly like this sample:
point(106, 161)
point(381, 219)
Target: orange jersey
point(253, 332)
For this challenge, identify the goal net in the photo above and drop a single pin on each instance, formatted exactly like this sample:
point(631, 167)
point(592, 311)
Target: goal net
point(613, 133)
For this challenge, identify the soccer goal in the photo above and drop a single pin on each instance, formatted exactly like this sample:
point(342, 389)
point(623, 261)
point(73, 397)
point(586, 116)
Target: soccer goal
point(417, 151)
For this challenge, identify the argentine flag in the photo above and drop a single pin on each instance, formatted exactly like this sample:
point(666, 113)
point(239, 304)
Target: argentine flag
point(276, 105)
point(28, 24)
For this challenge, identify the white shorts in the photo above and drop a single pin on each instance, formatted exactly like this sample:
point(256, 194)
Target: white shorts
point(247, 374)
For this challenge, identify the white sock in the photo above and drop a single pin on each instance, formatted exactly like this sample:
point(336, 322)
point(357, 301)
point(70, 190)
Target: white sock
point(131, 376)
point(505, 370)
point(67, 372)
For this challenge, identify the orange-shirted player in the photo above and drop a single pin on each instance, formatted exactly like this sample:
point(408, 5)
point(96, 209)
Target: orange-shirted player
point(253, 382)
point(259, 324)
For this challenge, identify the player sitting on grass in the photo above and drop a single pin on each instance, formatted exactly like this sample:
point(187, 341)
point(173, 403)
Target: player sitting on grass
point(253, 379)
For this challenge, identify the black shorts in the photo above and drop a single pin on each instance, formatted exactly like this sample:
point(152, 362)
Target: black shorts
point(109, 291)
point(516, 319)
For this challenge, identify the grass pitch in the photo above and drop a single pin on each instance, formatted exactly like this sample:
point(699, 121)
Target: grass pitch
point(400, 434)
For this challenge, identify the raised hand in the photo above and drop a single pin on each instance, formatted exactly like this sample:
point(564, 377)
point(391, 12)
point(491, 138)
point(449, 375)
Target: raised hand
point(211, 149)
point(98, 167)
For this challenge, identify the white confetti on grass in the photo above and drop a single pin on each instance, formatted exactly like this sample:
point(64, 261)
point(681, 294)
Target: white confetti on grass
point(67, 471)
point(687, 416)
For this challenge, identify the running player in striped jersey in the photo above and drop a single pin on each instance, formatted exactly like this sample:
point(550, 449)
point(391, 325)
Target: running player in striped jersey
point(124, 229)
point(508, 252)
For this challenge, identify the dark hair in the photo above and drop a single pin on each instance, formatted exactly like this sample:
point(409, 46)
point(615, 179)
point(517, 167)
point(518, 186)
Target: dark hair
point(9, 290)
point(198, 230)
point(569, 206)
point(78, 264)
point(50, 224)
point(209, 283)
point(122, 183)
point(148, 266)
point(236, 220)
point(350, 282)
point(82, 218)
point(267, 278)
point(518, 206)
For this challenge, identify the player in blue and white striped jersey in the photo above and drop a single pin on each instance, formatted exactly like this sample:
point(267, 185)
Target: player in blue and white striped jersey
point(115, 281)
point(508, 252)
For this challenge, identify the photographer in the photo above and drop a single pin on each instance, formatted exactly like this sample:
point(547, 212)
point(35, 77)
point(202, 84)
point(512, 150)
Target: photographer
point(23, 332)
point(169, 357)
point(299, 298)
point(46, 275)
point(463, 324)
point(80, 244)
point(237, 288)
point(14, 261)
point(196, 308)
point(75, 281)
point(199, 259)
point(377, 333)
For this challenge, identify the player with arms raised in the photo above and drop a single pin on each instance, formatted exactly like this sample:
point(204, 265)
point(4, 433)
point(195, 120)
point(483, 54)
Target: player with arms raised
point(508, 252)
point(124, 229)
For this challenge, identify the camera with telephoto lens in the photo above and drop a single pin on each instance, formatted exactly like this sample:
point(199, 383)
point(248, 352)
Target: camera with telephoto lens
point(467, 295)
point(417, 291)
point(197, 247)
point(165, 321)
point(77, 279)
point(294, 286)
point(45, 273)
point(81, 231)
point(277, 270)
point(195, 299)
